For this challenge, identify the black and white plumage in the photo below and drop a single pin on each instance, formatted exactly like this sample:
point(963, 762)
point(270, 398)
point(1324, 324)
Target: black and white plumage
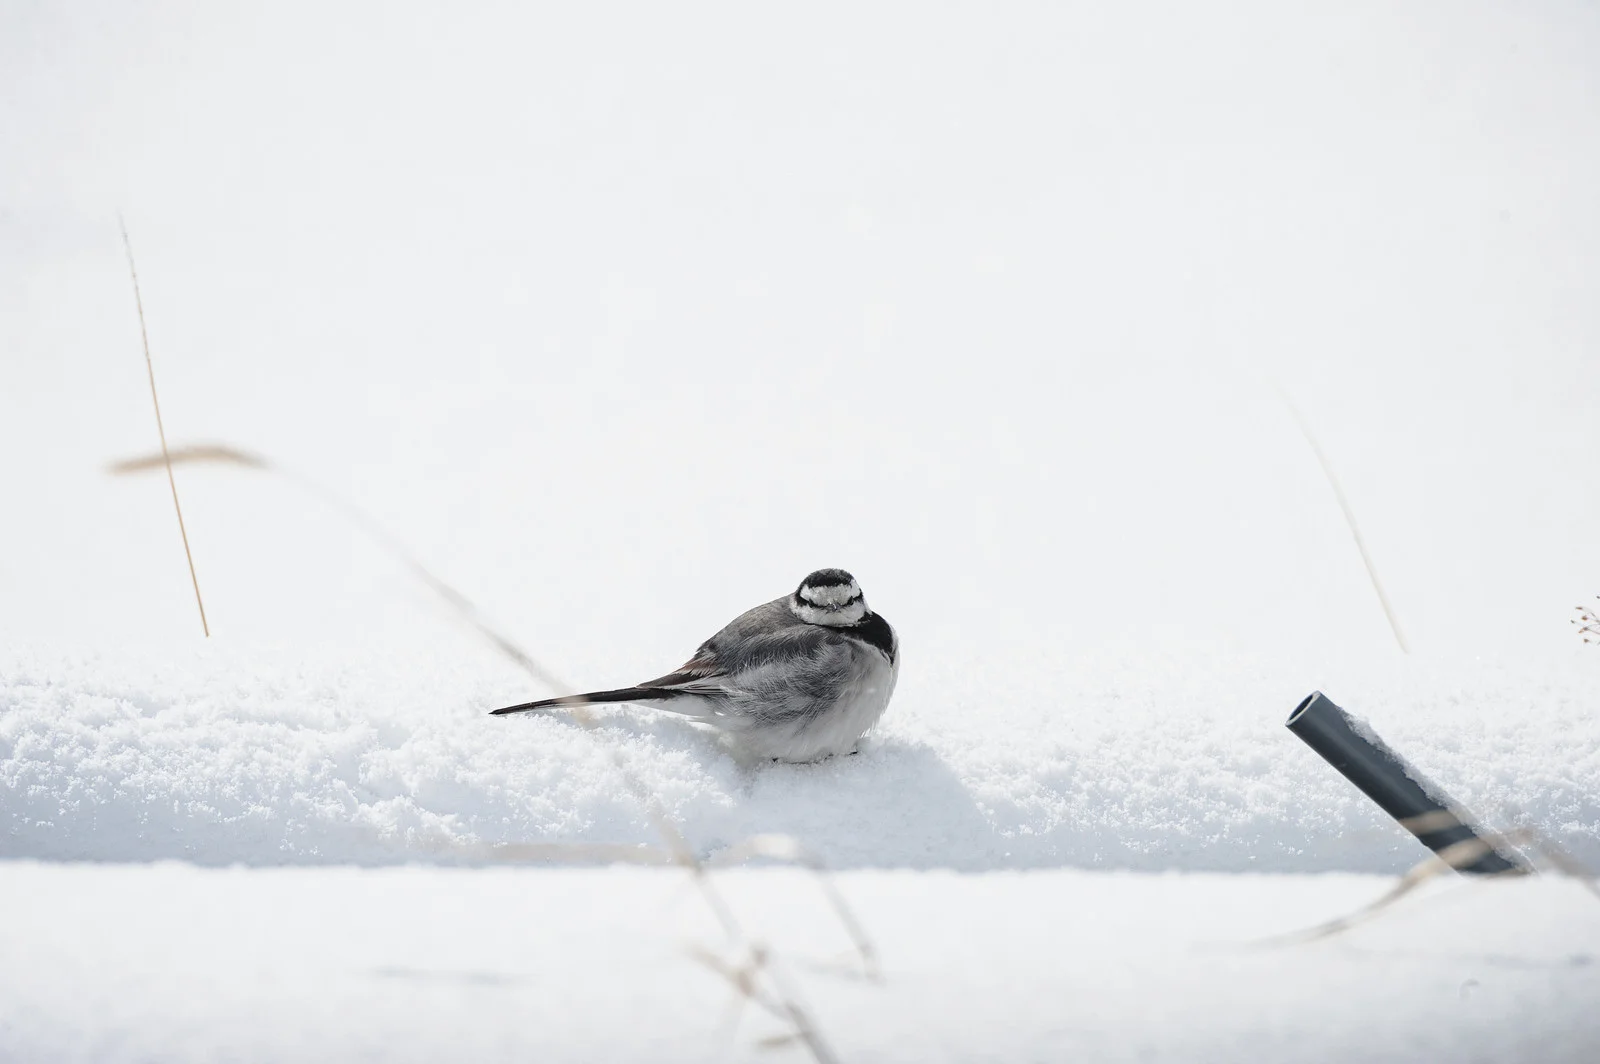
point(795, 679)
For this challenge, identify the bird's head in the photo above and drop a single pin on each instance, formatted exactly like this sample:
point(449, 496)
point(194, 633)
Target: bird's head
point(831, 597)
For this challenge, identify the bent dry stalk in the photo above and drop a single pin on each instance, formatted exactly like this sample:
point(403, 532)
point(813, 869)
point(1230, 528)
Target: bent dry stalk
point(1349, 519)
point(758, 977)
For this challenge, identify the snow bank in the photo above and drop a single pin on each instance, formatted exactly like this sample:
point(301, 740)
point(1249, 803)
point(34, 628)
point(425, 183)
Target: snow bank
point(234, 754)
point(182, 964)
point(622, 329)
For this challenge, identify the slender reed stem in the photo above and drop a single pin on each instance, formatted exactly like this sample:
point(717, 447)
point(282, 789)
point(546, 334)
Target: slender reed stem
point(161, 429)
point(1349, 519)
point(783, 999)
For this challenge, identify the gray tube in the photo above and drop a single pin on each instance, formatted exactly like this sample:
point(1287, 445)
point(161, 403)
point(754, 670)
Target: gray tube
point(1400, 790)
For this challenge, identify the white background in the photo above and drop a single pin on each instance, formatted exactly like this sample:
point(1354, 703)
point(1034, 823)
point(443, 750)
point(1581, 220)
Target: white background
point(623, 318)
point(626, 320)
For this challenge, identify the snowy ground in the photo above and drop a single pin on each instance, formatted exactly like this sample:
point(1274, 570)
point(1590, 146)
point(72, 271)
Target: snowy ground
point(233, 755)
point(621, 321)
point(174, 963)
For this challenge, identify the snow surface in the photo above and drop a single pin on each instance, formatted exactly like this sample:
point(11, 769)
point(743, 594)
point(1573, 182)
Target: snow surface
point(623, 319)
point(181, 964)
point(226, 755)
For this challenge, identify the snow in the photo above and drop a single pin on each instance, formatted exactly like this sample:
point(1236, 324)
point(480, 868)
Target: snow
point(235, 754)
point(184, 964)
point(621, 322)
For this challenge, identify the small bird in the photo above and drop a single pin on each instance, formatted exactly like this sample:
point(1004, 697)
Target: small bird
point(796, 679)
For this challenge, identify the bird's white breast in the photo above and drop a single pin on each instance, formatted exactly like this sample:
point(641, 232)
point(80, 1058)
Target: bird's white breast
point(862, 699)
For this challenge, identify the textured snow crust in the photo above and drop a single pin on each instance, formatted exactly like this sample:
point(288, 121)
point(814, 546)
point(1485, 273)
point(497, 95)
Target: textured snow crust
point(237, 754)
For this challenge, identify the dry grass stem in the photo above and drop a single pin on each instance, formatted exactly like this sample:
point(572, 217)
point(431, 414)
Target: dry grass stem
point(783, 848)
point(1588, 623)
point(202, 452)
point(778, 994)
point(1349, 519)
point(1451, 858)
point(789, 849)
point(460, 606)
point(578, 853)
point(745, 980)
point(161, 429)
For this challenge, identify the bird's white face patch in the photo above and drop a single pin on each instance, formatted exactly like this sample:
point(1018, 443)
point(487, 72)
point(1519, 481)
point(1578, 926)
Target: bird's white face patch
point(837, 616)
point(835, 595)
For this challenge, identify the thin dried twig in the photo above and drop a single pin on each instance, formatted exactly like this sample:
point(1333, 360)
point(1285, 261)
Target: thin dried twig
point(1558, 857)
point(1349, 519)
point(745, 979)
point(1451, 858)
point(161, 429)
point(1588, 622)
point(196, 452)
point(789, 849)
point(459, 604)
point(782, 998)
point(784, 848)
point(570, 852)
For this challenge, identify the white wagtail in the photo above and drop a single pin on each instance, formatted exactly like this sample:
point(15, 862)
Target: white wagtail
point(795, 679)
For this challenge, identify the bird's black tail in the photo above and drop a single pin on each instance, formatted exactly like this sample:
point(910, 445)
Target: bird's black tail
point(626, 694)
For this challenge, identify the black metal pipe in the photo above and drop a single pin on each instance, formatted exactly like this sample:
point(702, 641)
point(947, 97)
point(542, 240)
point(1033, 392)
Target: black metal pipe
point(1398, 788)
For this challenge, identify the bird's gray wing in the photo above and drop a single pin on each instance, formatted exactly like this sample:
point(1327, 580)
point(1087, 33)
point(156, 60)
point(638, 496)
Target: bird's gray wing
point(701, 669)
point(760, 637)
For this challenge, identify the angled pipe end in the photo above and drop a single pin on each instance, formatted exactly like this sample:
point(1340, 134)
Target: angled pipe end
point(1299, 711)
point(1413, 800)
